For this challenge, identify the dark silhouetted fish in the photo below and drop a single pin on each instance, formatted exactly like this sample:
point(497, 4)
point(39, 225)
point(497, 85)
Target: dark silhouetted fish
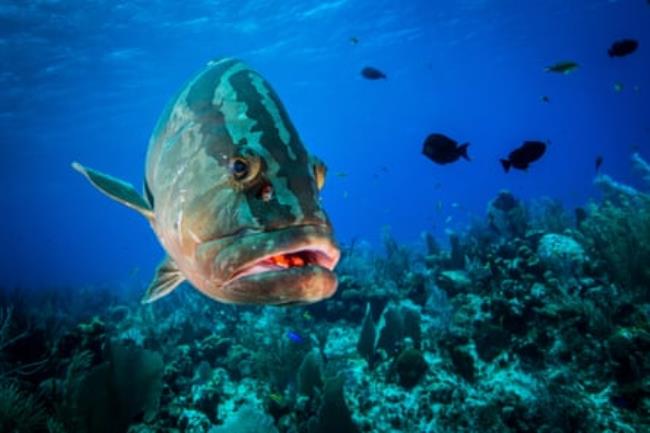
point(562, 67)
point(545, 99)
point(354, 40)
point(443, 150)
point(599, 162)
point(524, 155)
point(371, 73)
point(623, 48)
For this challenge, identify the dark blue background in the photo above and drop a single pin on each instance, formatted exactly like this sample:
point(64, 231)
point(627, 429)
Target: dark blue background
point(86, 80)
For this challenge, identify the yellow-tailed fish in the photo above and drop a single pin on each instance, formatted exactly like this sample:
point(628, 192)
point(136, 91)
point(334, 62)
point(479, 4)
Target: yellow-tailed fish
point(233, 195)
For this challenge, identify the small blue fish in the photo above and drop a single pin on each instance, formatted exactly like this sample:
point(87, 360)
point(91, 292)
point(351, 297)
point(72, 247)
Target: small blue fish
point(295, 337)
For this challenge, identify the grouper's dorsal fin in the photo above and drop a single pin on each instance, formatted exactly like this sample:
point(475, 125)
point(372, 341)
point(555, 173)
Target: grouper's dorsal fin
point(167, 277)
point(116, 189)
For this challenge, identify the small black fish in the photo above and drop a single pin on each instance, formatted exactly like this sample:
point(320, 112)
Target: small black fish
point(562, 67)
point(354, 40)
point(443, 150)
point(524, 155)
point(545, 99)
point(371, 73)
point(623, 48)
point(599, 162)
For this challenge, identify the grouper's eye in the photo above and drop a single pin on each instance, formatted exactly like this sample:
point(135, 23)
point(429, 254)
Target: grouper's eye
point(245, 168)
point(239, 168)
point(319, 174)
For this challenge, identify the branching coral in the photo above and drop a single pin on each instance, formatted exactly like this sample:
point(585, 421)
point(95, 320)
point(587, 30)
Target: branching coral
point(618, 230)
point(397, 262)
point(616, 192)
point(9, 336)
point(642, 166)
point(19, 411)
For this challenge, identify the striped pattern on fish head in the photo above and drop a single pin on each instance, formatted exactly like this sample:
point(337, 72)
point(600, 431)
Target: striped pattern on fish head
point(237, 194)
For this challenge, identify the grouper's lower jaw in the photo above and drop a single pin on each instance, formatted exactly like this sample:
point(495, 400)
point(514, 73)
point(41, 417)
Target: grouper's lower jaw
point(289, 265)
point(288, 286)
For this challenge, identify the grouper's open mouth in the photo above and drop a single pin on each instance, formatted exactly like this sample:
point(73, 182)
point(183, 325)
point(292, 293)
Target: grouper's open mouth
point(322, 256)
point(288, 266)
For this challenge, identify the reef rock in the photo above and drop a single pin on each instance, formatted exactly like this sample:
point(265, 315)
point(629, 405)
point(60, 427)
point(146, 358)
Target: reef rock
point(454, 282)
point(507, 216)
point(411, 367)
point(561, 254)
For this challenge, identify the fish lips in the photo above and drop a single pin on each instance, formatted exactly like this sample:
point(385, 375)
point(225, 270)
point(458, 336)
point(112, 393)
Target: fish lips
point(252, 276)
point(290, 286)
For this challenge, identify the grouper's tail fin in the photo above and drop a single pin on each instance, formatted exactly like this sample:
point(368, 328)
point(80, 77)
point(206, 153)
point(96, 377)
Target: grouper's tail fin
point(116, 189)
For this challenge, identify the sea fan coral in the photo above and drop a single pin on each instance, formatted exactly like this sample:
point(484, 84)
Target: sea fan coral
point(618, 231)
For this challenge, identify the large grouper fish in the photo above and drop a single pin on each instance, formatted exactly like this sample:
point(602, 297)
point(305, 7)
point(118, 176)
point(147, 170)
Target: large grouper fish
point(233, 195)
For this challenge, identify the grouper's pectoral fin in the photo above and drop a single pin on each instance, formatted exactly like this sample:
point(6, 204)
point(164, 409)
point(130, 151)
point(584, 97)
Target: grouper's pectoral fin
point(116, 189)
point(167, 277)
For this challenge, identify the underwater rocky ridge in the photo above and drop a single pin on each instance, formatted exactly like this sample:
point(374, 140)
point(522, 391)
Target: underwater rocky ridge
point(534, 319)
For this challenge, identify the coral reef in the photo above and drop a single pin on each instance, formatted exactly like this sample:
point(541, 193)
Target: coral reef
point(528, 322)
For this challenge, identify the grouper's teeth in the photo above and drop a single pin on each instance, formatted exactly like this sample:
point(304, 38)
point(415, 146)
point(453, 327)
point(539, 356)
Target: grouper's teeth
point(288, 260)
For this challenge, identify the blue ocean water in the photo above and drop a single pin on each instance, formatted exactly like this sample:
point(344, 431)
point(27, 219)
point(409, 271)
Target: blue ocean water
point(86, 81)
point(461, 308)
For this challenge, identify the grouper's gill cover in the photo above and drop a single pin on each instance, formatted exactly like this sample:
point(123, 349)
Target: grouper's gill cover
point(233, 195)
